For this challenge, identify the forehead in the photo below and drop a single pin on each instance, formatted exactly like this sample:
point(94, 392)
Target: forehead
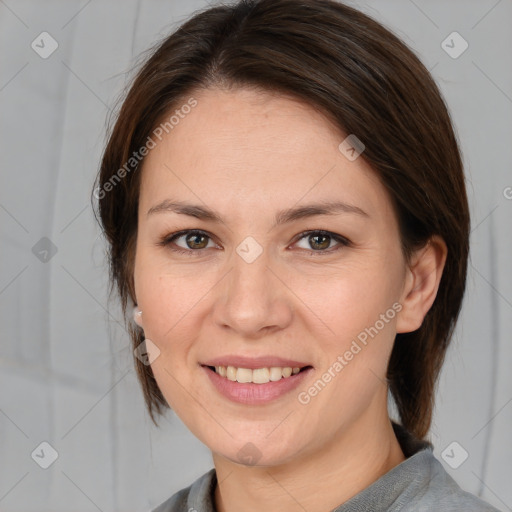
point(245, 147)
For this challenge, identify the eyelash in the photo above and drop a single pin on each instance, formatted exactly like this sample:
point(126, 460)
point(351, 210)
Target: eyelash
point(168, 239)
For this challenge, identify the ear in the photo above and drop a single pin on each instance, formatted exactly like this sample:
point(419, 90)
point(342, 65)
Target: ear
point(423, 276)
point(137, 316)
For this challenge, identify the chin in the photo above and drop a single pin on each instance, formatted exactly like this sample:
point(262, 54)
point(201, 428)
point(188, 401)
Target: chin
point(257, 452)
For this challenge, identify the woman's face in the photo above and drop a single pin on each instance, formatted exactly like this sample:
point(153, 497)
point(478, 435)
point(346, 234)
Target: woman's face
point(261, 282)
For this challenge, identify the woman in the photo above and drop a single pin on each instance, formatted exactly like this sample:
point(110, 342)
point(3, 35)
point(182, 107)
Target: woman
point(284, 200)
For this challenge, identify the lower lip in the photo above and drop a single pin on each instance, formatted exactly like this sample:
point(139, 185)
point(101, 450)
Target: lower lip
point(252, 394)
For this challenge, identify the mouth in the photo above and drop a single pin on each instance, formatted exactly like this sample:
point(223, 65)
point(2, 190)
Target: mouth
point(261, 375)
point(258, 385)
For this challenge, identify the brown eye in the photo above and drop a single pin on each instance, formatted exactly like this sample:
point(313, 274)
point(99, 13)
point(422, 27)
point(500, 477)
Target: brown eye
point(320, 242)
point(191, 242)
point(196, 240)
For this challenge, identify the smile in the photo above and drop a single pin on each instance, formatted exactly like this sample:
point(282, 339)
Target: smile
point(255, 386)
point(256, 375)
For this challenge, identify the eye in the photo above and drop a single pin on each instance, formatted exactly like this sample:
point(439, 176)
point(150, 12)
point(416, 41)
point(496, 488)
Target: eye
point(319, 241)
point(194, 241)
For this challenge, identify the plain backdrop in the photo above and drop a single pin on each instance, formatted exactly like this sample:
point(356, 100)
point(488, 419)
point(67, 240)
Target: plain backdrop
point(66, 373)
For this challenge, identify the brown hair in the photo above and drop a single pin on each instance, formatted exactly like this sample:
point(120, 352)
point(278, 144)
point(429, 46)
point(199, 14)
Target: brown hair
point(360, 76)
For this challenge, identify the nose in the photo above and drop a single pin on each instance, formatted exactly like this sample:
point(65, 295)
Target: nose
point(251, 300)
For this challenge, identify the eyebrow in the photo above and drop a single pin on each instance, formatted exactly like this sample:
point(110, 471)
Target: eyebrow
point(282, 217)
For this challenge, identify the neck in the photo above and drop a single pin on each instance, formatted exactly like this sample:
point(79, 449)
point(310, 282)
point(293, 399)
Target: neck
point(348, 463)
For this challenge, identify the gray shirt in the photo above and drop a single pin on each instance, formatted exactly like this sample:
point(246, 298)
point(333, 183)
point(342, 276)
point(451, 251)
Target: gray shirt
point(420, 484)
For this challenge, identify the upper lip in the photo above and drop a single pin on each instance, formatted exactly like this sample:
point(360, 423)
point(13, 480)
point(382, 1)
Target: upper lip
point(254, 362)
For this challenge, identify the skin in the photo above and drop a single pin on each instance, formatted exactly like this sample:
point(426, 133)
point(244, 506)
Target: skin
point(248, 154)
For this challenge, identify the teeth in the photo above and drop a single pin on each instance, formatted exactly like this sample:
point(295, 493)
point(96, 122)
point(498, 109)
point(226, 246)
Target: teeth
point(243, 375)
point(231, 373)
point(275, 374)
point(256, 376)
point(287, 371)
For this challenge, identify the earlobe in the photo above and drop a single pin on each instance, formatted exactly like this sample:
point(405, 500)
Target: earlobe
point(137, 316)
point(421, 284)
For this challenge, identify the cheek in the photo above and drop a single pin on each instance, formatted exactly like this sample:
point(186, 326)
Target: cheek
point(361, 316)
point(165, 295)
point(357, 308)
point(350, 299)
point(173, 322)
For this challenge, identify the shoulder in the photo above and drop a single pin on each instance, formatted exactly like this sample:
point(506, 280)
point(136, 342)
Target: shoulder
point(437, 490)
point(177, 502)
point(197, 497)
point(427, 486)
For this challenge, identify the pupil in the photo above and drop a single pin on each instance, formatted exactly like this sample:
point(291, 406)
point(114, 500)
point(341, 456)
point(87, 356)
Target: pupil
point(194, 238)
point(325, 237)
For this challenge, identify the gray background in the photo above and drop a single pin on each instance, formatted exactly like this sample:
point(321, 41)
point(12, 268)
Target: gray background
point(66, 373)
